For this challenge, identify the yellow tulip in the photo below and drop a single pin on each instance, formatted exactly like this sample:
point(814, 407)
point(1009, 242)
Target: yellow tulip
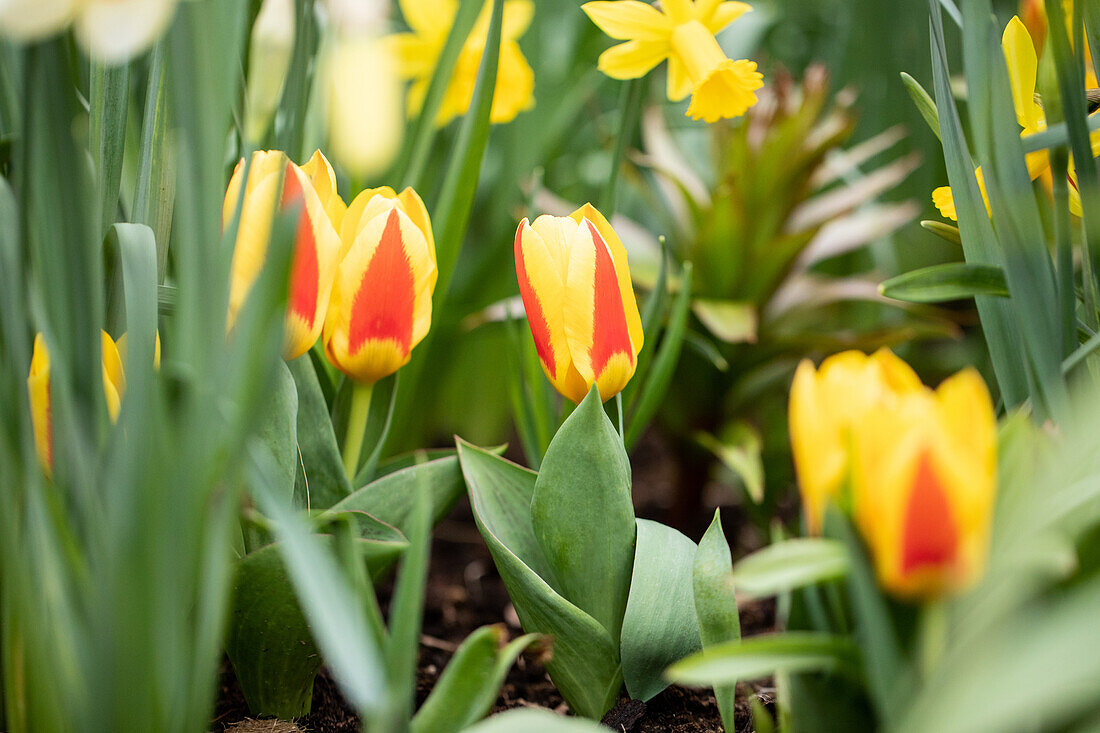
point(275, 181)
point(825, 407)
point(38, 388)
point(418, 52)
point(682, 31)
point(575, 284)
point(381, 304)
point(924, 485)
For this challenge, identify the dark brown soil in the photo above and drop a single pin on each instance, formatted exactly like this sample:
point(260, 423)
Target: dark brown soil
point(464, 592)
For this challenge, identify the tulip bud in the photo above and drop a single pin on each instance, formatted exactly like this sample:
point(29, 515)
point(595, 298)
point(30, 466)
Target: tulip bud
point(268, 63)
point(924, 485)
point(38, 389)
point(381, 303)
point(575, 284)
point(825, 406)
point(272, 181)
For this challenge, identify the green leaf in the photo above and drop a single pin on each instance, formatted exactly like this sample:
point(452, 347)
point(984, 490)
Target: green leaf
point(583, 516)
point(471, 681)
point(110, 88)
point(660, 626)
point(731, 321)
point(945, 232)
point(533, 720)
point(924, 103)
point(761, 656)
point(155, 191)
point(664, 363)
point(322, 480)
point(790, 564)
point(941, 283)
point(585, 665)
point(278, 428)
point(740, 453)
point(716, 604)
point(392, 498)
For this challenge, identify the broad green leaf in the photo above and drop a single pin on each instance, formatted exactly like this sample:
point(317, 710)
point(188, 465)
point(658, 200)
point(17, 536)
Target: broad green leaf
point(585, 666)
point(392, 498)
point(731, 321)
point(790, 564)
point(924, 103)
point(761, 656)
point(739, 451)
point(941, 283)
point(716, 604)
point(582, 514)
point(322, 480)
point(278, 429)
point(470, 682)
point(533, 720)
point(660, 625)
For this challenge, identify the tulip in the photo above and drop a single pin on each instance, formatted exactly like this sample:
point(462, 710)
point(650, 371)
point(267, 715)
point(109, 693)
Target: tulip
point(381, 304)
point(575, 283)
point(38, 388)
point(924, 485)
point(273, 180)
point(825, 407)
point(112, 31)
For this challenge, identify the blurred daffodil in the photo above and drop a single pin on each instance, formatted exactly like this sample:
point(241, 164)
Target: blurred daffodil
point(575, 283)
point(826, 406)
point(1023, 64)
point(924, 485)
point(683, 32)
point(418, 52)
point(112, 31)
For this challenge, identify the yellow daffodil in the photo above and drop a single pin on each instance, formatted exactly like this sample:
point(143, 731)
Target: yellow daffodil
point(826, 405)
point(682, 32)
point(1034, 15)
point(112, 31)
point(417, 53)
point(575, 283)
point(924, 483)
point(1023, 64)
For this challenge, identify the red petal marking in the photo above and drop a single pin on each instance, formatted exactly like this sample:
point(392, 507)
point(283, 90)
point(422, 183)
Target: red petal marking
point(382, 309)
point(304, 270)
point(1072, 182)
point(610, 334)
point(540, 331)
point(930, 536)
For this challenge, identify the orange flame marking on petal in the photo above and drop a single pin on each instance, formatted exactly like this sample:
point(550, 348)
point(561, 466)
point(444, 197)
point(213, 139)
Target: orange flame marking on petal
point(930, 535)
point(384, 303)
point(610, 334)
point(304, 270)
point(540, 331)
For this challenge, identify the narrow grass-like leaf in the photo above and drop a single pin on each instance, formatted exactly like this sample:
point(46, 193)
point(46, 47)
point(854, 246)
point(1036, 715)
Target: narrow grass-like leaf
point(535, 720)
point(716, 604)
point(924, 103)
point(940, 283)
point(761, 656)
point(110, 87)
point(630, 108)
point(664, 363)
point(322, 480)
point(155, 190)
point(946, 232)
point(790, 564)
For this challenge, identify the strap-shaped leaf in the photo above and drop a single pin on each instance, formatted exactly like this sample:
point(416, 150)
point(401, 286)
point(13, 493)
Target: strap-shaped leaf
point(322, 480)
point(790, 564)
point(760, 656)
point(716, 604)
point(585, 666)
point(941, 283)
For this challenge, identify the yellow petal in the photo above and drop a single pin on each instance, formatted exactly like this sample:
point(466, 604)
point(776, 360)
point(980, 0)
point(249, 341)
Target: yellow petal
point(629, 19)
point(678, 83)
point(429, 16)
point(415, 56)
point(1022, 68)
point(679, 11)
point(517, 19)
point(632, 59)
point(727, 92)
point(38, 389)
point(323, 179)
point(515, 85)
point(725, 14)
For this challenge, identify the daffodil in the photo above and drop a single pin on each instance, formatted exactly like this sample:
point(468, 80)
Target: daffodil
point(113, 31)
point(1023, 64)
point(418, 52)
point(683, 33)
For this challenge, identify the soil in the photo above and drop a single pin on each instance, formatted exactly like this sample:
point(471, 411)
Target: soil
point(464, 592)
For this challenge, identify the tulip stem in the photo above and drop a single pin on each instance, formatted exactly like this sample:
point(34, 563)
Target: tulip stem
point(357, 426)
point(933, 636)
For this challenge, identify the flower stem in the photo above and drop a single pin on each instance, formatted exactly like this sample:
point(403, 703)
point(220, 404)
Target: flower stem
point(357, 426)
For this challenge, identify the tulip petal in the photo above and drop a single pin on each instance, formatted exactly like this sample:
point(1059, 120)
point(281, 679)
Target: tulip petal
point(323, 179)
point(632, 59)
point(629, 19)
point(929, 535)
point(357, 217)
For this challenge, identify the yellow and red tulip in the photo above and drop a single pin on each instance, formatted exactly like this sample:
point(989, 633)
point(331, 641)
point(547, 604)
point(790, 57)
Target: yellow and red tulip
point(273, 181)
point(381, 304)
point(38, 388)
point(575, 284)
point(825, 407)
point(924, 485)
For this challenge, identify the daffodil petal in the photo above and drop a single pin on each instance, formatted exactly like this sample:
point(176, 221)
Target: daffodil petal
point(678, 84)
point(515, 86)
point(517, 18)
point(1022, 68)
point(628, 19)
point(725, 14)
point(632, 59)
point(428, 16)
